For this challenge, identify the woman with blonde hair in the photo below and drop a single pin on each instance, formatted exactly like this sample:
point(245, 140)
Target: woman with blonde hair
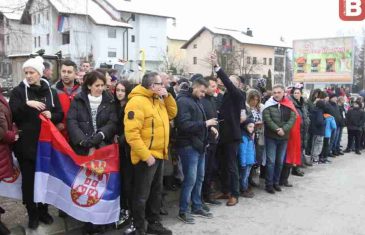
point(254, 108)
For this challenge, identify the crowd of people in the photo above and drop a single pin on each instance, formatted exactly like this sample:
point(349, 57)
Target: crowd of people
point(215, 133)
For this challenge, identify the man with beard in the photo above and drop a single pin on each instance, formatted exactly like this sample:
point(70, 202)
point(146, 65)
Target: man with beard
point(67, 88)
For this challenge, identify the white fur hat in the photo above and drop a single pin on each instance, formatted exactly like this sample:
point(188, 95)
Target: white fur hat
point(35, 63)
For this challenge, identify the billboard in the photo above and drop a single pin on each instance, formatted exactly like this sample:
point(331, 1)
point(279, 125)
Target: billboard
point(327, 60)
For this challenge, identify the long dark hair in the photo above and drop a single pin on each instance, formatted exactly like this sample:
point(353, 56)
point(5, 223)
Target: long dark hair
point(128, 88)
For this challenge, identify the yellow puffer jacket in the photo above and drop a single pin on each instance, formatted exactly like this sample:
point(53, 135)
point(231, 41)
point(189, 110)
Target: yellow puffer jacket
point(147, 124)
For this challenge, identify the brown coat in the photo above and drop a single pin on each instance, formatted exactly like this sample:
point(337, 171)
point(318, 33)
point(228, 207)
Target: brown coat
point(7, 137)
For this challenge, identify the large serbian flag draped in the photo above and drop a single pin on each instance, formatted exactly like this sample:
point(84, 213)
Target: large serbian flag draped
point(85, 187)
point(293, 151)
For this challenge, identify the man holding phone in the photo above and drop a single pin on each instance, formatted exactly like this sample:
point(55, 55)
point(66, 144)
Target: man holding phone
point(192, 139)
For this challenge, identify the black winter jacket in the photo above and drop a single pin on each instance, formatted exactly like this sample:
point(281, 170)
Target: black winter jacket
point(27, 118)
point(210, 108)
point(233, 101)
point(190, 122)
point(355, 119)
point(335, 112)
point(80, 125)
point(317, 122)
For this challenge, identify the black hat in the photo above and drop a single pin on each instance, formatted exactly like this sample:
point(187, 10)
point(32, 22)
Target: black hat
point(248, 121)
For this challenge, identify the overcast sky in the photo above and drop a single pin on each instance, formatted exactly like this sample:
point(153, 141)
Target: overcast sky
point(292, 19)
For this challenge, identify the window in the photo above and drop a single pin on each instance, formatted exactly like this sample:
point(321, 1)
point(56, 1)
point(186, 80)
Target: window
point(195, 60)
point(7, 40)
point(195, 46)
point(7, 22)
point(66, 38)
point(279, 64)
point(39, 41)
point(270, 61)
point(35, 42)
point(34, 19)
point(47, 39)
point(39, 19)
point(224, 41)
point(265, 61)
point(112, 53)
point(254, 60)
point(47, 15)
point(133, 38)
point(112, 33)
point(248, 60)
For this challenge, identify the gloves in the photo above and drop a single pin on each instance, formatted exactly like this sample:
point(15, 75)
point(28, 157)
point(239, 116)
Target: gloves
point(97, 139)
point(93, 141)
point(86, 143)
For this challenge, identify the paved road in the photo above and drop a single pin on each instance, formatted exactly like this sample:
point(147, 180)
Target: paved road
point(330, 199)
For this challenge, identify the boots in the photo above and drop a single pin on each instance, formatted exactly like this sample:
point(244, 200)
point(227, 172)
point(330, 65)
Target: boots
point(285, 173)
point(3, 229)
point(44, 216)
point(296, 171)
point(33, 216)
point(251, 182)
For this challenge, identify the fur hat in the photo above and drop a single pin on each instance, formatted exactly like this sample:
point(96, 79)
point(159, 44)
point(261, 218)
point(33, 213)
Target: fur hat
point(35, 63)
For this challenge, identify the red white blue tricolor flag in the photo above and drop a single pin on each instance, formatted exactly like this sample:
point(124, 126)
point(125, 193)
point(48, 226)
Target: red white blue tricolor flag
point(85, 187)
point(60, 23)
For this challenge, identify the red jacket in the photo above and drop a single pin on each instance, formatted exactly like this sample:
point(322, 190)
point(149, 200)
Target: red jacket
point(7, 137)
point(65, 99)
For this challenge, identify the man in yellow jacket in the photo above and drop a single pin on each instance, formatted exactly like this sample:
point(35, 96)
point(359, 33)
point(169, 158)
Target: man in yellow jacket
point(147, 116)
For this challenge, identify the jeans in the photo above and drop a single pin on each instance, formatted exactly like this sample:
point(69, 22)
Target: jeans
point(147, 193)
point(245, 173)
point(326, 148)
point(275, 154)
point(193, 165)
point(230, 174)
point(333, 141)
point(338, 140)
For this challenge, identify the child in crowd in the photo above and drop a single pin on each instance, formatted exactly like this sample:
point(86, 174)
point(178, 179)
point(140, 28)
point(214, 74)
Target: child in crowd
point(330, 127)
point(316, 129)
point(247, 156)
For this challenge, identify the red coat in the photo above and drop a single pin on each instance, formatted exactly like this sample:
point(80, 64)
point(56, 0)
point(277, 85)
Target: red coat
point(7, 137)
point(65, 99)
point(294, 149)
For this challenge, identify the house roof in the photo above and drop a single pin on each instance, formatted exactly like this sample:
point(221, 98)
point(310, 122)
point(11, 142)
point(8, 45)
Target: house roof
point(240, 36)
point(135, 6)
point(13, 9)
point(87, 7)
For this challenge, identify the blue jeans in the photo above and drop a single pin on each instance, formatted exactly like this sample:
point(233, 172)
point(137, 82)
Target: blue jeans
point(245, 173)
point(338, 140)
point(193, 165)
point(335, 135)
point(275, 155)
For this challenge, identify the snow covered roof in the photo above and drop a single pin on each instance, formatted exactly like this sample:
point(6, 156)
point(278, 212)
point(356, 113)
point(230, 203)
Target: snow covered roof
point(87, 7)
point(13, 9)
point(136, 6)
point(176, 34)
point(240, 36)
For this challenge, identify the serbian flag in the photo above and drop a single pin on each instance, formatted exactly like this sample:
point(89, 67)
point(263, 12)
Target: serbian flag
point(60, 23)
point(294, 149)
point(85, 187)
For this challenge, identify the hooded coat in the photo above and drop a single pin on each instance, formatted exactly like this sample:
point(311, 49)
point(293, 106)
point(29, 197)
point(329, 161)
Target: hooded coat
point(27, 118)
point(147, 124)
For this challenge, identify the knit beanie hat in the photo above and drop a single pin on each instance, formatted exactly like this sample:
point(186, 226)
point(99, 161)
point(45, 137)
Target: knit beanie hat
point(35, 63)
point(332, 95)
